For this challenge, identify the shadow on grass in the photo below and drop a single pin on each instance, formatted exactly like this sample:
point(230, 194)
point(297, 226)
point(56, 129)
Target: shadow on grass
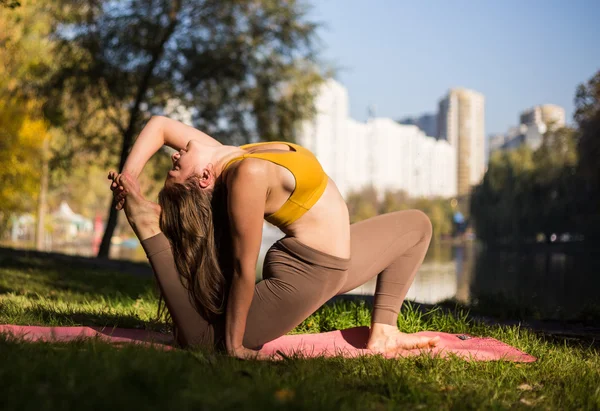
point(5, 290)
point(28, 273)
point(56, 317)
point(43, 258)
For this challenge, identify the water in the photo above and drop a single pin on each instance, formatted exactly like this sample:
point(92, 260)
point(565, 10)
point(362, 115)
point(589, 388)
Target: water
point(546, 284)
point(437, 280)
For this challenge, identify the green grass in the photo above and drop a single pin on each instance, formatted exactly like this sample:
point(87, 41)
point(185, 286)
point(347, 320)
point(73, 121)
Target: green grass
point(94, 375)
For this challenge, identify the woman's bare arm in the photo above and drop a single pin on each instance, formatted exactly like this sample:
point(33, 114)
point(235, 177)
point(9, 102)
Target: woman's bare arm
point(246, 206)
point(161, 131)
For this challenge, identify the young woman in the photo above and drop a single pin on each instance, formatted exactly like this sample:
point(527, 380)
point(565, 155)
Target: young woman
point(204, 238)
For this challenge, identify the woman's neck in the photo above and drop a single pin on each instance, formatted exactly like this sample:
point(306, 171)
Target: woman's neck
point(223, 155)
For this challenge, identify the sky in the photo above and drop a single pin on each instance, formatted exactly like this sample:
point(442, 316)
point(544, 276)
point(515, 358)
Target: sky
point(402, 56)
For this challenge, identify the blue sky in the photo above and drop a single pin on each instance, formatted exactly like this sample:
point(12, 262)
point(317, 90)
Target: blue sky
point(402, 56)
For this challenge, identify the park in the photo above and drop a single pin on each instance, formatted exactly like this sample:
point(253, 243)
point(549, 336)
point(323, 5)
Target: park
point(500, 260)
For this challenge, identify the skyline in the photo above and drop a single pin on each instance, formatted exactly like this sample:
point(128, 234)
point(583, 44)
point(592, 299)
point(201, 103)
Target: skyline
point(524, 54)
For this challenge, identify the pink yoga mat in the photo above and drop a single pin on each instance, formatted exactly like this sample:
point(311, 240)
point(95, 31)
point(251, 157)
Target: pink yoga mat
point(348, 343)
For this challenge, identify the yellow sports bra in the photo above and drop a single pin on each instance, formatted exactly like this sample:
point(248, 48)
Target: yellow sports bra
point(311, 180)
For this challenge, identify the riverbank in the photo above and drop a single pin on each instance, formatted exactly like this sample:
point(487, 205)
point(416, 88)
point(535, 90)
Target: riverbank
point(41, 289)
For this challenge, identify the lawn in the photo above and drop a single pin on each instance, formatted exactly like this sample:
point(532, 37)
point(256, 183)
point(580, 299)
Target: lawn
point(45, 290)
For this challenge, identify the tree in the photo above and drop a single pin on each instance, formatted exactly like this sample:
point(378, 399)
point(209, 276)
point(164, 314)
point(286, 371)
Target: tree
point(553, 182)
point(20, 155)
point(525, 193)
point(244, 69)
point(587, 116)
point(439, 212)
point(362, 204)
point(11, 4)
point(24, 132)
point(365, 204)
point(394, 201)
point(500, 206)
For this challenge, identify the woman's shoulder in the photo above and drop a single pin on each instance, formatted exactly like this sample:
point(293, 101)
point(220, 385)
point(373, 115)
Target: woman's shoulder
point(247, 169)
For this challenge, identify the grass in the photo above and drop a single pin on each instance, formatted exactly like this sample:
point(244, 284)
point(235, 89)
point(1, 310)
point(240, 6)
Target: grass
point(94, 375)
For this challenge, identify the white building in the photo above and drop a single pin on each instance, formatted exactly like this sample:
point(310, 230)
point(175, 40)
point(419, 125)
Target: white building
point(549, 114)
point(381, 152)
point(534, 123)
point(461, 122)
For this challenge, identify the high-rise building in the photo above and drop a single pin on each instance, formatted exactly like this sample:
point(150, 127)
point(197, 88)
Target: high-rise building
point(380, 152)
point(551, 115)
point(533, 124)
point(461, 122)
point(427, 123)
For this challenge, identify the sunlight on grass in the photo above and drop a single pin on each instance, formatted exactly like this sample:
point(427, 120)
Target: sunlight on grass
point(68, 374)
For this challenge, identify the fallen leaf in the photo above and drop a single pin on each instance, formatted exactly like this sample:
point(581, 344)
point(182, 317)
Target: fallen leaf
point(284, 395)
point(525, 387)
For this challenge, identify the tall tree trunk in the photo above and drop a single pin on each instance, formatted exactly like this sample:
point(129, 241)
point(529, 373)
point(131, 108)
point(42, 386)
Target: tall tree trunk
point(42, 201)
point(134, 115)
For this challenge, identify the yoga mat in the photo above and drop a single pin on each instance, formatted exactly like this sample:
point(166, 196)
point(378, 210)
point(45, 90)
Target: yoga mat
point(348, 343)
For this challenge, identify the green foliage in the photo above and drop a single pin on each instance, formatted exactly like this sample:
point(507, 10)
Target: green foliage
point(25, 56)
point(96, 71)
point(365, 204)
point(21, 137)
point(587, 116)
point(29, 62)
point(439, 212)
point(11, 4)
point(394, 201)
point(525, 193)
point(555, 189)
point(362, 204)
point(243, 70)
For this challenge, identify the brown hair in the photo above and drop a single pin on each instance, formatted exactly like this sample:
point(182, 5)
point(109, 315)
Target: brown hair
point(196, 222)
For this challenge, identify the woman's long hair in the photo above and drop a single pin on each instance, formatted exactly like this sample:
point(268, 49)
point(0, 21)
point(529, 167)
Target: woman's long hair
point(196, 222)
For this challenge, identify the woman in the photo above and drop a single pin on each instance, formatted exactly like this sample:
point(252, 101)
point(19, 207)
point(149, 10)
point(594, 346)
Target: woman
point(204, 239)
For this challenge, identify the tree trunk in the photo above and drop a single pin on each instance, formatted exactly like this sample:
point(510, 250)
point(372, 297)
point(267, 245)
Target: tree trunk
point(113, 213)
point(42, 201)
point(134, 114)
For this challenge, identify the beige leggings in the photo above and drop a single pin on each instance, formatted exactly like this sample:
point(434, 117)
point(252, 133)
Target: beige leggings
point(298, 279)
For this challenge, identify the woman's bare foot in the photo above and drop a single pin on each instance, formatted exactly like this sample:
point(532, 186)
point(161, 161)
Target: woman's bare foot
point(142, 215)
point(386, 338)
point(136, 206)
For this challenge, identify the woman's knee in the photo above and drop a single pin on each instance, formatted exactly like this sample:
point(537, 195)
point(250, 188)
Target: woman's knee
point(422, 222)
point(407, 220)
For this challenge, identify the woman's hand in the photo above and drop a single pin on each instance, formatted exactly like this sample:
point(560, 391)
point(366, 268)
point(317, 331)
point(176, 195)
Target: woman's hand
point(117, 189)
point(122, 185)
